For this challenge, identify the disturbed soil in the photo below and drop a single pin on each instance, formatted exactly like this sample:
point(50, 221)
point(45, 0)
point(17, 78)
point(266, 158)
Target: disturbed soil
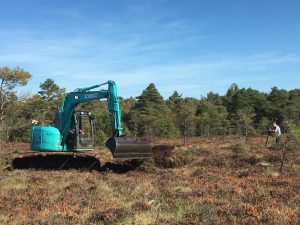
point(212, 180)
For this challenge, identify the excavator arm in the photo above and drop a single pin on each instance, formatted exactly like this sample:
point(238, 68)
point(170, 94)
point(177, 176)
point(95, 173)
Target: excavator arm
point(81, 95)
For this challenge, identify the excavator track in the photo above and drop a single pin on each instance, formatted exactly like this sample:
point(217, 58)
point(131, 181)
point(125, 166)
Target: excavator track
point(55, 160)
point(77, 160)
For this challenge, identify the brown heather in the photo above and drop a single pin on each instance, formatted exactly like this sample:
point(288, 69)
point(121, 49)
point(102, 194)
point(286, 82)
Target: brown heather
point(208, 181)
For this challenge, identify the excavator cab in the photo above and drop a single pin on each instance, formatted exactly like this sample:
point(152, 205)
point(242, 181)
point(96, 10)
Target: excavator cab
point(85, 130)
point(82, 132)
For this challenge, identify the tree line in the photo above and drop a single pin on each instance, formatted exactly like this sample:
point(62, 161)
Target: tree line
point(241, 111)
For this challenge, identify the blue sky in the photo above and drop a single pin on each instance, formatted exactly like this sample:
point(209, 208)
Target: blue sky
point(192, 46)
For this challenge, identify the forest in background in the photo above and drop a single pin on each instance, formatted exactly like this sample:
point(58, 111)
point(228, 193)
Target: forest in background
point(241, 111)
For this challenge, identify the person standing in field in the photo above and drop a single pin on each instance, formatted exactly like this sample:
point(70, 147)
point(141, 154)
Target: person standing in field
point(277, 131)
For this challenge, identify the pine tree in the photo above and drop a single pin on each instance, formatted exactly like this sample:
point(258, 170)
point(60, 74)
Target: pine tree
point(50, 91)
point(183, 114)
point(152, 116)
point(10, 79)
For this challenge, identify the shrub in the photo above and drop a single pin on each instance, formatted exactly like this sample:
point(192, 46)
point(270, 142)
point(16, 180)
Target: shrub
point(239, 148)
point(100, 138)
point(288, 143)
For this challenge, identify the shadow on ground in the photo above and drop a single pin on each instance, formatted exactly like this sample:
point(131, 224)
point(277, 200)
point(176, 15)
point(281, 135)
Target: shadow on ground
point(63, 162)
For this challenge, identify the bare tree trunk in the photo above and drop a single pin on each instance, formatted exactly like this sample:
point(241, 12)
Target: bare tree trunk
point(185, 132)
point(283, 155)
point(246, 132)
point(224, 132)
point(135, 125)
point(2, 102)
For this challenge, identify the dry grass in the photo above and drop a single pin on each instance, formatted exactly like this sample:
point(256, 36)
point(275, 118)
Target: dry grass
point(209, 181)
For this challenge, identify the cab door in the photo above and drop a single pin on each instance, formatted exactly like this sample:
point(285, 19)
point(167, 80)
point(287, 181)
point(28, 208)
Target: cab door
point(85, 131)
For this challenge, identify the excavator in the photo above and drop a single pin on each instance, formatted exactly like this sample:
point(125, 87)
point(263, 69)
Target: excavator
point(74, 131)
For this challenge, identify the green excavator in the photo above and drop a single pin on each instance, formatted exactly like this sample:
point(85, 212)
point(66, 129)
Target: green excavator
point(74, 131)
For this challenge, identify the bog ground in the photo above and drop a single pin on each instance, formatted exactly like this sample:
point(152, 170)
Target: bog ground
point(208, 181)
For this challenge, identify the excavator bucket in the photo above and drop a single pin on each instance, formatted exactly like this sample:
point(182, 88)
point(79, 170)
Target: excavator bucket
point(129, 147)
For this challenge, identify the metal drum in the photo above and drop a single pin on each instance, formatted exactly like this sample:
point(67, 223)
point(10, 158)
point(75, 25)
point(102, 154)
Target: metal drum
point(129, 147)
